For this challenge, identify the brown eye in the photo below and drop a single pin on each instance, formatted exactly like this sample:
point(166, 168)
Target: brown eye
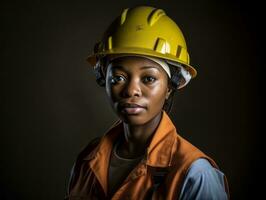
point(117, 79)
point(149, 79)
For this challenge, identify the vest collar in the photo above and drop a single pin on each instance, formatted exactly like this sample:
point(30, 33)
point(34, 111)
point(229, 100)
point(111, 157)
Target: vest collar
point(161, 143)
point(159, 152)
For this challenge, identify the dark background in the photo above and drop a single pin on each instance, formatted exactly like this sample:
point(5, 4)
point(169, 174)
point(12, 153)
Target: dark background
point(51, 106)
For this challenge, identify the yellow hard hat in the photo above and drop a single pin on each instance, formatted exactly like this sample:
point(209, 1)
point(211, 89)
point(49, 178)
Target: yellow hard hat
point(145, 31)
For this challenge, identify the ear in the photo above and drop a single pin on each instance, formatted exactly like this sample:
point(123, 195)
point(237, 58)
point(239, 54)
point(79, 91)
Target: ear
point(169, 90)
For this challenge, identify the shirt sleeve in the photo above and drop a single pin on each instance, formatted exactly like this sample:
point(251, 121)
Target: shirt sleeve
point(203, 182)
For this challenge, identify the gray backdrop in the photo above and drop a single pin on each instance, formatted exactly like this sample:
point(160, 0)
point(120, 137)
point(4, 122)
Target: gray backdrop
point(51, 106)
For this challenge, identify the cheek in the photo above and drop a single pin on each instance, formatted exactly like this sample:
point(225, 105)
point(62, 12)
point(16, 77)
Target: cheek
point(158, 94)
point(112, 92)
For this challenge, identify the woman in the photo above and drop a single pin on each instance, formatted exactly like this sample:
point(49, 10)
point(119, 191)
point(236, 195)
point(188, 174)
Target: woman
point(142, 60)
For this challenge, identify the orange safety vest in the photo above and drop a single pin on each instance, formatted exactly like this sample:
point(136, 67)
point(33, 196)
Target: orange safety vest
point(167, 151)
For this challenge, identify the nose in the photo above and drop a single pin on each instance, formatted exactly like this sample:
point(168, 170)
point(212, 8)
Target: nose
point(132, 89)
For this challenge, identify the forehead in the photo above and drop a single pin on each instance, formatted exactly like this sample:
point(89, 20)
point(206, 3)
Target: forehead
point(134, 63)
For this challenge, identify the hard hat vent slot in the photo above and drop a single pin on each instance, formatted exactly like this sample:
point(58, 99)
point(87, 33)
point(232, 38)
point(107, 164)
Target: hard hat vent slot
point(178, 51)
point(110, 43)
point(123, 16)
point(155, 15)
point(161, 46)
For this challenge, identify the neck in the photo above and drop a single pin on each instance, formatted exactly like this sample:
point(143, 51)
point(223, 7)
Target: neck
point(137, 137)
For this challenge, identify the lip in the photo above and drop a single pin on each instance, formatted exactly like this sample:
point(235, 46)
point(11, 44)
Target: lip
point(131, 108)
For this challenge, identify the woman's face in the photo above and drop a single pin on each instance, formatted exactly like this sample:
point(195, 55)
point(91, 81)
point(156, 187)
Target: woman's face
point(137, 88)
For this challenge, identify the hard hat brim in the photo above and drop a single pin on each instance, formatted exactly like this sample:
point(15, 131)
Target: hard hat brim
point(92, 59)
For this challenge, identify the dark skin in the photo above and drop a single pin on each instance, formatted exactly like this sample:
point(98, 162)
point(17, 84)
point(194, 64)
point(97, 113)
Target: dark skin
point(137, 89)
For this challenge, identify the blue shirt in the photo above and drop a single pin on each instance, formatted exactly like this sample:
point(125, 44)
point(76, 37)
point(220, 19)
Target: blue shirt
point(203, 182)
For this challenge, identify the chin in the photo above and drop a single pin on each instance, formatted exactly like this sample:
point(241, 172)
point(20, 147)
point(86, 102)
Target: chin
point(133, 119)
point(137, 120)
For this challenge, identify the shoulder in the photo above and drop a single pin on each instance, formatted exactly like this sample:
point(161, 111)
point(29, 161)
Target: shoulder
point(88, 148)
point(184, 153)
point(85, 152)
point(203, 180)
